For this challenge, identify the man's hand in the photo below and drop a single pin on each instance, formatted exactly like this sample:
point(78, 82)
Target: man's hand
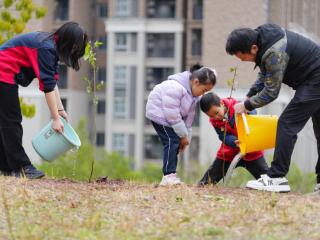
point(237, 143)
point(240, 108)
point(183, 144)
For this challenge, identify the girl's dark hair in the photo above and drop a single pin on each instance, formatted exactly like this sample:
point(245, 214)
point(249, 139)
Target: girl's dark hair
point(208, 100)
point(71, 41)
point(195, 67)
point(241, 40)
point(205, 75)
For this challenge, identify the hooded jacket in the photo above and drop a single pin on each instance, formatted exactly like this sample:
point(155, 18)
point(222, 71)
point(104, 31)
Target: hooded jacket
point(28, 56)
point(172, 104)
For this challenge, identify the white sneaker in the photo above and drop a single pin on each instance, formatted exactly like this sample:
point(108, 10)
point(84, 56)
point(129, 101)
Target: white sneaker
point(266, 183)
point(317, 188)
point(170, 179)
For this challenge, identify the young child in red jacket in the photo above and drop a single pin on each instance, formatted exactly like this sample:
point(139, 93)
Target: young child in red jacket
point(223, 120)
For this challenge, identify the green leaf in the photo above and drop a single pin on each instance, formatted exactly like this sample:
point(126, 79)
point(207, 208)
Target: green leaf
point(25, 15)
point(230, 82)
point(97, 44)
point(87, 51)
point(6, 16)
point(40, 12)
point(7, 3)
point(18, 27)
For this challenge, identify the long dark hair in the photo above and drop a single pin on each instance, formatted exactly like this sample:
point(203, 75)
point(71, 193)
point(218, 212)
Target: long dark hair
point(71, 41)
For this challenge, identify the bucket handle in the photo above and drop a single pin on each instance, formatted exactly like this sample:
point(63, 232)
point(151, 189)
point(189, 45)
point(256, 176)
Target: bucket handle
point(245, 123)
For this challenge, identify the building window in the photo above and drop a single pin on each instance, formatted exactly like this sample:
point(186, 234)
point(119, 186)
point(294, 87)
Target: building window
point(196, 42)
point(119, 101)
point(120, 74)
point(102, 9)
point(126, 42)
point(101, 107)
point(122, 8)
point(100, 139)
point(64, 104)
point(62, 10)
point(197, 9)
point(102, 74)
point(120, 82)
point(121, 42)
point(118, 143)
point(160, 45)
point(152, 147)
point(161, 8)
point(155, 75)
point(63, 77)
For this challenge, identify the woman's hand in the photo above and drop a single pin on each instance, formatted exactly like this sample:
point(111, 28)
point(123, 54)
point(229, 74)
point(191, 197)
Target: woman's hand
point(64, 114)
point(237, 143)
point(183, 144)
point(57, 125)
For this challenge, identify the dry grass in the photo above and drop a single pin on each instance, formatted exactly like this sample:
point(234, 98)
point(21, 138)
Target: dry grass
point(51, 209)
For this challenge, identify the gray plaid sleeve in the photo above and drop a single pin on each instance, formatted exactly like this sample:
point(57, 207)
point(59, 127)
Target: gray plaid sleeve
point(257, 86)
point(275, 64)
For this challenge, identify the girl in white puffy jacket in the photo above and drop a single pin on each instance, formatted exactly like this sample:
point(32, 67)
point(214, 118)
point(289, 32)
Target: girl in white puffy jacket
point(171, 109)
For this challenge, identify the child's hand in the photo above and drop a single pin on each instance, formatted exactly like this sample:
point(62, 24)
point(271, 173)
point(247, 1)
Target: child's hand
point(240, 108)
point(237, 143)
point(183, 144)
point(57, 125)
point(64, 115)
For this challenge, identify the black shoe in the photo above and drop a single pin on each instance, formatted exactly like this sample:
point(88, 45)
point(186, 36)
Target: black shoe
point(5, 173)
point(202, 183)
point(29, 172)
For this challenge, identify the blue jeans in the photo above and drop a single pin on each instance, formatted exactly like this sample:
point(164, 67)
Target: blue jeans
point(170, 141)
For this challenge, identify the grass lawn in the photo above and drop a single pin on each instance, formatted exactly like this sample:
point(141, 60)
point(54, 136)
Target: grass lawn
point(62, 209)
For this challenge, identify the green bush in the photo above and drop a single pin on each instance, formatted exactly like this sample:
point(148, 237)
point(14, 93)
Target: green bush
point(76, 165)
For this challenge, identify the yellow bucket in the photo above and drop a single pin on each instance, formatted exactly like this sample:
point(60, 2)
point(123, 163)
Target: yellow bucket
point(256, 132)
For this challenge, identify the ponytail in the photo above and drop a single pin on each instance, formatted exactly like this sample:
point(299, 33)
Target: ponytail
point(195, 67)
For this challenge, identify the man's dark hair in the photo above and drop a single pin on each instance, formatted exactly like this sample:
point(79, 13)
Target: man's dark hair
point(71, 40)
point(208, 100)
point(241, 40)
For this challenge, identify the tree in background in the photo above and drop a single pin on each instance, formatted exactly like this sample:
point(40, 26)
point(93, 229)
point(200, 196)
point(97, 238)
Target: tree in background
point(14, 15)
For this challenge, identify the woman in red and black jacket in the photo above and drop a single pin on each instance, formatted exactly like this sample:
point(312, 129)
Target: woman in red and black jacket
point(221, 113)
point(23, 58)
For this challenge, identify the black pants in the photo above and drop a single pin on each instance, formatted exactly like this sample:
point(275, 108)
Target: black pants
point(219, 168)
point(304, 105)
point(170, 141)
point(12, 154)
